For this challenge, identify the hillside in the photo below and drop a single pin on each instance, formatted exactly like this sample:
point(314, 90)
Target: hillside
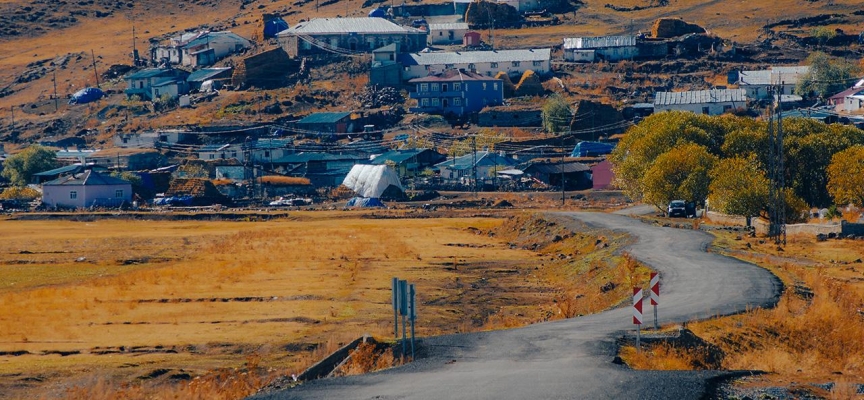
point(39, 39)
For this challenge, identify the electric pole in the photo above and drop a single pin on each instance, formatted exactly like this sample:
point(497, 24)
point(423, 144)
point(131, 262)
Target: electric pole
point(93, 57)
point(777, 200)
point(474, 165)
point(56, 105)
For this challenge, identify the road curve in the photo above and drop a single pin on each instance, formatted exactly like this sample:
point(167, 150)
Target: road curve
point(572, 359)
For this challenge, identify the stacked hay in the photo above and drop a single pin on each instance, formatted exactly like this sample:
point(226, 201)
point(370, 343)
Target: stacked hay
point(598, 118)
point(529, 85)
point(673, 27)
point(509, 87)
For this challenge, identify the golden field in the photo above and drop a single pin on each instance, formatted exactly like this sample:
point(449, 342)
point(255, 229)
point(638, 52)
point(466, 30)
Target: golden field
point(156, 309)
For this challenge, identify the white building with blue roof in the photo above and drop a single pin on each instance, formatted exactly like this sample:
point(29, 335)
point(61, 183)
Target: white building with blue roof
point(488, 63)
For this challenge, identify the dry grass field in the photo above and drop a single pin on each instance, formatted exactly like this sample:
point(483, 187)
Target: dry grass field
point(110, 309)
point(812, 336)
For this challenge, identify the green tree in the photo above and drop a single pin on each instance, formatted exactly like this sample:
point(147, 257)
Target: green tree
point(556, 114)
point(680, 173)
point(827, 75)
point(823, 34)
point(739, 187)
point(136, 181)
point(19, 168)
point(846, 176)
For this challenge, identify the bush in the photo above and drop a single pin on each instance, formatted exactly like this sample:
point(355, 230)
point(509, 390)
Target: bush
point(20, 193)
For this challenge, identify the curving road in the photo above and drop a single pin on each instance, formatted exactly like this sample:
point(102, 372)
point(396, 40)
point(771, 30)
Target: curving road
point(572, 359)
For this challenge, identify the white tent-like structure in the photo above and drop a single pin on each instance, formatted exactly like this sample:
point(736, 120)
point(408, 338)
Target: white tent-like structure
point(370, 181)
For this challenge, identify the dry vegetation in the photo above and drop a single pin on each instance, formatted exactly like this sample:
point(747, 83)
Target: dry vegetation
point(112, 309)
point(812, 336)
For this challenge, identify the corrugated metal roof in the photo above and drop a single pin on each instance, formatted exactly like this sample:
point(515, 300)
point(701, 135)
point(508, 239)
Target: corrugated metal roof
point(700, 97)
point(150, 73)
point(466, 57)
point(598, 42)
point(307, 157)
point(449, 26)
point(454, 75)
point(346, 25)
point(484, 158)
point(773, 76)
point(214, 36)
point(87, 178)
point(323, 118)
point(202, 75)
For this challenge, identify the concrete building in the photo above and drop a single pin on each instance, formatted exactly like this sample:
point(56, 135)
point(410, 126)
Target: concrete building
point(710, 102)
point(489, 63)
point(456, 92)
point(449, 33)
point(609, 48)
point(349, 35)
point(152, 83)
point(756, 83)
point(86, 189)
point(200, 48)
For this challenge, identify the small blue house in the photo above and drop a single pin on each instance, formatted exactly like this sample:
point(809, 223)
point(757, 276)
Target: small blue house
point(456, 92)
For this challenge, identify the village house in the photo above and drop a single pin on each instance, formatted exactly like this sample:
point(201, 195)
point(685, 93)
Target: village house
point(199, 48)
point(489, 63)
point(456, 92)
point(849, 100)
point(153, 83)
point(326, 122)
point(577, 176)
point(385, 71)
point(409, 163)
point(349, 35)
point(448, 33)
point(511, 115)
point(757, 83)
point(710, 102)
point(602, 176)
point(322, 169)
point(221, 152)
point(608, 48)
point(86, 189)
point(460, 168)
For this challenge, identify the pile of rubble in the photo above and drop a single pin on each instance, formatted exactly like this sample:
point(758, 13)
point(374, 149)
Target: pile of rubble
point(372, 97)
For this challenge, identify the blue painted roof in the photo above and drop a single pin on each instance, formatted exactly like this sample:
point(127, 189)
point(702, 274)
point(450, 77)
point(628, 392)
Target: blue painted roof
point(324, 118)
point(150, 73)
point(202, 75)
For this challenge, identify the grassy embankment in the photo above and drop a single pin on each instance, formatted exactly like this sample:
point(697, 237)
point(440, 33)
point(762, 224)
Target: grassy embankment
point(113, 309)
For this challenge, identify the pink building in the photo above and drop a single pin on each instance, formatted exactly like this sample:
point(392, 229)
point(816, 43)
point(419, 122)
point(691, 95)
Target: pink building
point(602, 175)
point(86, 189)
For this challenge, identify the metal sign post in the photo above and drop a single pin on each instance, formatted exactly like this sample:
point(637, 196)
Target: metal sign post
point(395, 289)
point(637, 315)
point(412, 314)
point(403, 310)
point(655, 296)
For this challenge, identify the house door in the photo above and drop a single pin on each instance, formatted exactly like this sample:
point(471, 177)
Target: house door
point(445, 103)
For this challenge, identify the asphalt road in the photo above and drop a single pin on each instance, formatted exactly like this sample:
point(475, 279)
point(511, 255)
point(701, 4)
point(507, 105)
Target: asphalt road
point(572, 359)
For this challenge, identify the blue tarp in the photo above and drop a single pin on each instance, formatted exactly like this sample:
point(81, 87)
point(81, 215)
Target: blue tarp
point(173, 201)
point(274, 26)
point(86, 95)
point(377, 13)
point(591, 149)
point(365, 202)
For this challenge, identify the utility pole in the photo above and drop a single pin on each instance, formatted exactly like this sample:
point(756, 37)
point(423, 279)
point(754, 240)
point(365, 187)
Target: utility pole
point(12, 110)
point(563, 183)
point(777, 201)
point(93, 57)
point(56, 105)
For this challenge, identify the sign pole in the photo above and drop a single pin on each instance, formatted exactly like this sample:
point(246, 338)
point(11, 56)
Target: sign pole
point(655, 296)
point(395, 290)
point(412, 315)
point(403, 310)
point(637, 315)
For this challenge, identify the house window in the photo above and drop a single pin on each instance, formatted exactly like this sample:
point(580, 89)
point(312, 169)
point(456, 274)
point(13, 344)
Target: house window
point(448, 66)
point(435, 102)
point(436, 87)
point(443, 87)
point(424, 87)
point(266, 153)
point(471, 67)
point(234, 154)
point(212, 156)
point(515, 63)
point(495, 85)
point(424, 102)
point(537, 63)
point(73, 195)
point(484, 85)
point(118, 193)
point(457, 86)
point(493, 65)
point(457, 101)
point(705, 110)
point(407, 68)
point(727, 108)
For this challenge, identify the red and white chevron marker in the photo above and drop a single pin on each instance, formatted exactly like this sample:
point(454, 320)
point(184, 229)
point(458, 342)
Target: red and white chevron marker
point(655, 296)
point(637, 314)
point(655, 288)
